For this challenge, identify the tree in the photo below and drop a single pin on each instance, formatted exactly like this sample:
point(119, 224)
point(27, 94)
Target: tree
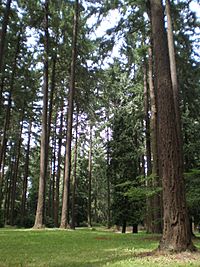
point(176, 233)
point(172, 60)
point(3, 35)
point(157, 202)
point(90, 179)
point(65, 203)
point(39, 219)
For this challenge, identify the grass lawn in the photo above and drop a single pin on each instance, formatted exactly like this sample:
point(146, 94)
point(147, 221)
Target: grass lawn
point(85, 248)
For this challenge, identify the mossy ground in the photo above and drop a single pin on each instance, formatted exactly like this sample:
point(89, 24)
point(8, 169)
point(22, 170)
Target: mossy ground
point(86, 248)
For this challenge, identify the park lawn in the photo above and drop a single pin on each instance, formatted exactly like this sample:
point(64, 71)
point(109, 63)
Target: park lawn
point(85, 248)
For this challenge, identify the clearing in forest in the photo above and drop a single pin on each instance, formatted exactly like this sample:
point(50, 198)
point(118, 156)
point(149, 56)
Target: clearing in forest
point(85, 248)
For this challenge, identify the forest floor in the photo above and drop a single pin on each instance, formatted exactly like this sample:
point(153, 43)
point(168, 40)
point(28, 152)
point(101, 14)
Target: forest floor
point(86, 248)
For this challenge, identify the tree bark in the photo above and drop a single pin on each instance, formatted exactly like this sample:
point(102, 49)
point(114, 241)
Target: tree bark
point(39, 219)
point(74, 175)
point(108, 175)
point(15, 173)
point(3, 37)
point(149, 216)
point(57, 182)
point(135, 229)
point(8, 109)
point(8, 191)
point(157, 201)
point(176, 233)
point(65, 204)
point(25, 178)
point(90, 179)
point(124, 227)
point(172, 59)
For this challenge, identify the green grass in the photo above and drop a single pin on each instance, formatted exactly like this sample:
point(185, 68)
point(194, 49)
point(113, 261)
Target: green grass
point(85, 248)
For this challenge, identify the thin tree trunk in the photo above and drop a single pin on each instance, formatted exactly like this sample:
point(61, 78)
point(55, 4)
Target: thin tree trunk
point(39, 219)
point(149, 219)
point(8, 193)
point(4, 137)
point(172, 59)
point(25, 178)
point(51, 174)
point(124, 227)
point(3, 40)
point(157, 200)
point(2, 180)
point(51, 98)
point(108, 175)
point(15, 173)
point(135, 229)
point(53, 177)
point(57, 189)
point(65, 204)
point(90, 179)
point(74, 175)
point(176, 232)
point(8, 109)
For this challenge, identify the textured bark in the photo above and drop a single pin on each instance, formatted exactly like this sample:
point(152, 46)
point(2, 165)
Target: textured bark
point(39, 219)
point(25, 178)
point(65, 204)
point(90, 180)
point(172, 59)
point(74, 176)
point(157, 200)
point(176, 233)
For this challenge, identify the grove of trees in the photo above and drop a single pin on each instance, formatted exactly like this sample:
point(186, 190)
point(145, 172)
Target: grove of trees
point(99, 116)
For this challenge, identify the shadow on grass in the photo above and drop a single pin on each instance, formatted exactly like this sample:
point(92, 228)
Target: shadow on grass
point(179, 258)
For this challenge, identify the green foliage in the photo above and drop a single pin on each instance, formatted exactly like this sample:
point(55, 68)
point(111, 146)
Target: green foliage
point(192, 180)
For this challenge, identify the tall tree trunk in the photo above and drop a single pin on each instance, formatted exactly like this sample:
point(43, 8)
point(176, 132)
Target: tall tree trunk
point(4, 136)
point(2, 182)
point(15, 173)
point(90, 179)
point(8, 108)
point(25, 178)
point(57, 181)
point(50, 174)
point(157, 206)
point(3, 41)
point(53, 176)
point(172, 60)
point(65, 204)
point(74, 175)
point(108, 175)
point(39, 219)
point(176, 232)
point(149, 219)
point(8, 192)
